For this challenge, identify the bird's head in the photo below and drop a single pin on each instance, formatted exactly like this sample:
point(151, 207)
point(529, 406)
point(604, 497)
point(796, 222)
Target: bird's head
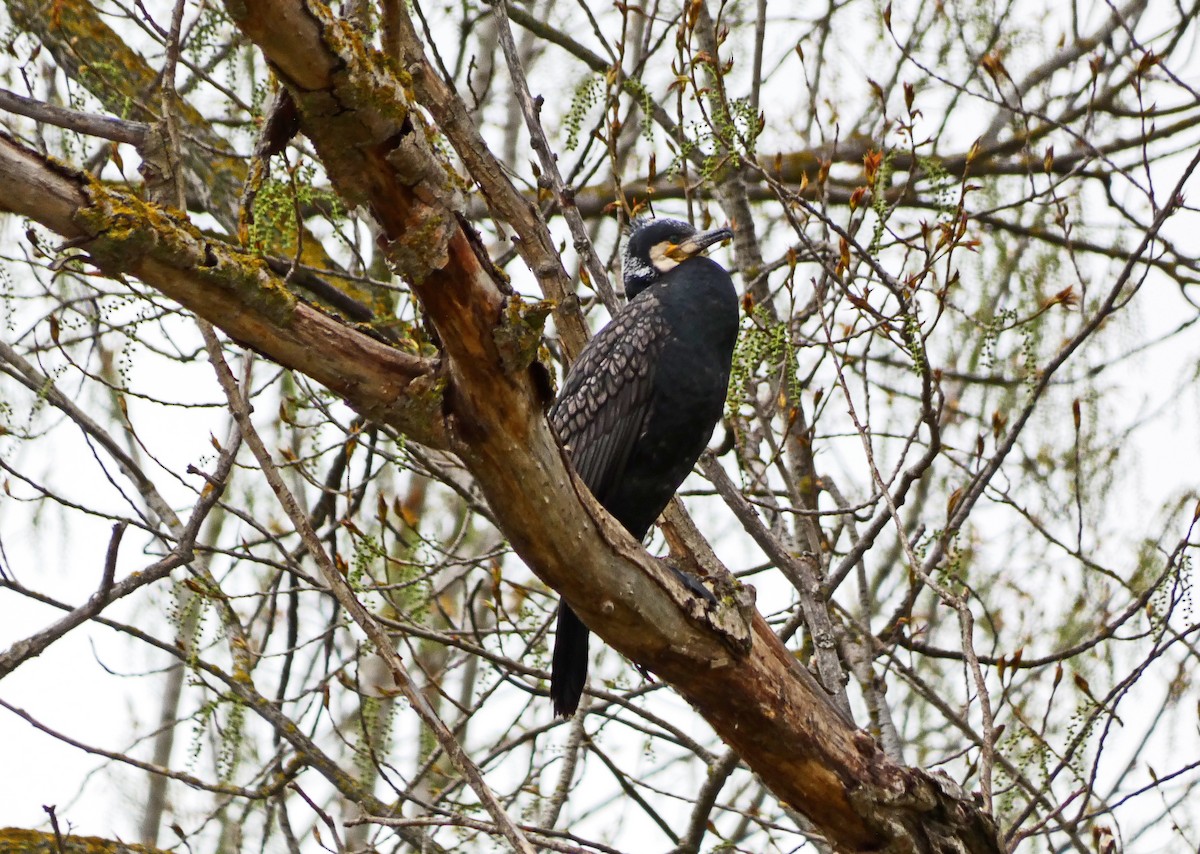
point(656, 246)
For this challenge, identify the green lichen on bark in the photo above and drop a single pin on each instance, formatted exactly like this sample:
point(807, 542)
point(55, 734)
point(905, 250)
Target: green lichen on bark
point(366, 132)
point(422, 246)
point(423, 406)
point(126, 232)
point(519, 335)
point(17, 840)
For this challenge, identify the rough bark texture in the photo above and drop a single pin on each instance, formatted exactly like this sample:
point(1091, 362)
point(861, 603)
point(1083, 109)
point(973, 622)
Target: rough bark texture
point(113, 72)
point(125, 236)
point(356, 110)
point(15, 840)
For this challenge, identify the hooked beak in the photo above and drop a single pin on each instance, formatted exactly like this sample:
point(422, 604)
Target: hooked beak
point(698, 242)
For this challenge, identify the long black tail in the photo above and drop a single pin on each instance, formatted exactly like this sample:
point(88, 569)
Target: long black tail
point(568, 670)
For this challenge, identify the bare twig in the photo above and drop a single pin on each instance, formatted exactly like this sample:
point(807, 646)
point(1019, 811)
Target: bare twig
point(346, 598)
point(802, 573)
point(548, 160)
point(106, 127)
point(110, 558)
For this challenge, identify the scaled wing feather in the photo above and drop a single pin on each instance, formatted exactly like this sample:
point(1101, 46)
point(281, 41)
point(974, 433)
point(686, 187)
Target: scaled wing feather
point(604, 405)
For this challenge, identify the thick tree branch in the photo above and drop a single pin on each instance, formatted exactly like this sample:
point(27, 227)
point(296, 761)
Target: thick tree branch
point(107, 127)
point(16, 840)
point(355, 109)
point(764, 705)
point(533, 240)
point(234, 290)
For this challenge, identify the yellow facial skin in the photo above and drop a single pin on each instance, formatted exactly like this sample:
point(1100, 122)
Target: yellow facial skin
point(667, 256)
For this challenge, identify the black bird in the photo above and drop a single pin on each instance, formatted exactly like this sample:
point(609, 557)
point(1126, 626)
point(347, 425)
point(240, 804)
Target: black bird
point(639, 406)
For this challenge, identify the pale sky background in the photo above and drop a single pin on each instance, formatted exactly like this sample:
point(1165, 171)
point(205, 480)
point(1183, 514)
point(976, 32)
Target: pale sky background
point(68, 687)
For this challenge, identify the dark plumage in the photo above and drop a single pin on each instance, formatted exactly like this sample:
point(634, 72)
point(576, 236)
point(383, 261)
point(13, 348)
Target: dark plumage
point(639, 406)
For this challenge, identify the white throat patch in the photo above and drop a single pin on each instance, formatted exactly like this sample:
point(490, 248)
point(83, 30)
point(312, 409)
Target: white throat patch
point(660, 258)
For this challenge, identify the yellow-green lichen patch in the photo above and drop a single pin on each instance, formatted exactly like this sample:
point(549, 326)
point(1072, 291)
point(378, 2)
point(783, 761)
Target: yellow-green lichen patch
point(17, 840)
point(422, 244)
point(127, 233)
point(122, 227)
point(423, 405)
point(519, 335)
point(254, 285)
point(368, 83)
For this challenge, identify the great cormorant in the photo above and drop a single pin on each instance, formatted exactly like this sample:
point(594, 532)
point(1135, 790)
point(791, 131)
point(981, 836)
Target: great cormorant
point(639, 406)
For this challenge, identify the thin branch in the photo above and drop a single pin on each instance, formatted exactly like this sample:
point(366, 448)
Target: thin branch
point(342, 591)
point(106, 127)
point(548, 160)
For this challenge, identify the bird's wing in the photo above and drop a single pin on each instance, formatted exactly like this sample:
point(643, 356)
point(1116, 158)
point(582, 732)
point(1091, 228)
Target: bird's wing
point(602, 408)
